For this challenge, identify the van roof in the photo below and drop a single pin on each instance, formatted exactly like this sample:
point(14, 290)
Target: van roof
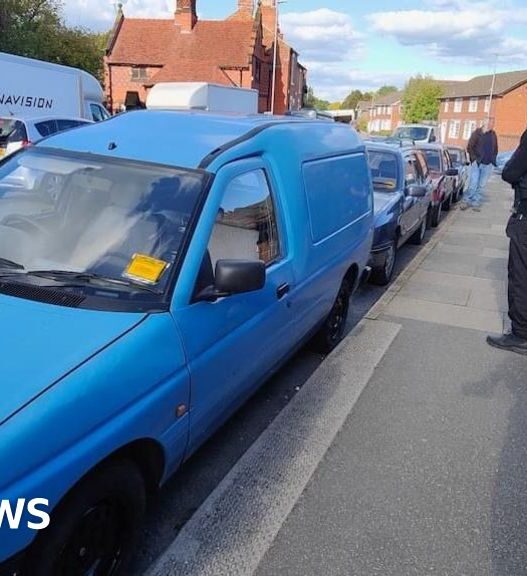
point(184, 139)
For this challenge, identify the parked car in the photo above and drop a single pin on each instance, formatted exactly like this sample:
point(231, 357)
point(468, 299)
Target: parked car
point(16, 133)
point(460, 161)
point(418, 133)
point(444, 177)
point(402, 200)
point(164, 266)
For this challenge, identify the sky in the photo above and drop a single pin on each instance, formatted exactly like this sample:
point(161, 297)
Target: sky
point(363, 44)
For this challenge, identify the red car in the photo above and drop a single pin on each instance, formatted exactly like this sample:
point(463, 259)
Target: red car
point(444, 177)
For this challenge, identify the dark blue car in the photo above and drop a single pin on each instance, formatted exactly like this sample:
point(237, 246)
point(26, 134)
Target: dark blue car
point(402, 199)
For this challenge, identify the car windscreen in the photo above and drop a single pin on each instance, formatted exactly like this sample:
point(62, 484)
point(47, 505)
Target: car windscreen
point(412, 133)
point(433, 160)
point(122, 221)
point(384, 172)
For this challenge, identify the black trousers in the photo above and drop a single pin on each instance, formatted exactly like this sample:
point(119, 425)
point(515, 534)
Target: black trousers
point(517, 233)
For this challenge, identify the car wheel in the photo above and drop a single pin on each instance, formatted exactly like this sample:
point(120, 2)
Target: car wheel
point(92, 531)
point(447, 204)
point(436, 215)
point(331, 332)
point(419, 235)
point(382, 276)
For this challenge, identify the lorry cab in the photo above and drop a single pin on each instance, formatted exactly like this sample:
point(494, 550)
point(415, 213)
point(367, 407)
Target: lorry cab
point(156, 269)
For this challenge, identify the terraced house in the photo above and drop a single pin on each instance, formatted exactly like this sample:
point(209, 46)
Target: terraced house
point(385, 113)
point(237, 51)
point(465, 105)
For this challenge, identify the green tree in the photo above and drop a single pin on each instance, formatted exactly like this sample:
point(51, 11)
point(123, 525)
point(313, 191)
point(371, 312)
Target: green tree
point(385, 90)
point(311, 101)
point(421, 99)
point(35, 28)
point(352, 99)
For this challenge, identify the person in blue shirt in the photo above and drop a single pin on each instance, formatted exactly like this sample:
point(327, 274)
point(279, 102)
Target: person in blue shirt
point(483, 150)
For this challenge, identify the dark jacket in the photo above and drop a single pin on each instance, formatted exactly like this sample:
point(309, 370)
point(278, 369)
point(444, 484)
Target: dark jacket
point(515, 171)
point(475, 146)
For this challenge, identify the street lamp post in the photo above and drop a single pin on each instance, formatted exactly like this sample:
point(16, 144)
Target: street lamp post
point(275, 54)
point(492, 87)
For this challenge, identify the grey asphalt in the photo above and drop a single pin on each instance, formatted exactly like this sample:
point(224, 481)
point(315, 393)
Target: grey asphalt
point(429, 473)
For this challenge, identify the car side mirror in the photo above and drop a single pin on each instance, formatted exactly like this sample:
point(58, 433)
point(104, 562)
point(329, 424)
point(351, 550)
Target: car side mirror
point(416, 191)
point(452, 172)
point(234, 277)
point(433, 139)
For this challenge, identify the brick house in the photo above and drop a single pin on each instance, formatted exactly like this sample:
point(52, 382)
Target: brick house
point(465, 105)
point(237, 51)
point(385, 113)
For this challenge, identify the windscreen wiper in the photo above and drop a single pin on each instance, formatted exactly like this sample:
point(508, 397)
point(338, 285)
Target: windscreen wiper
point(88, 277)
point(6, 263)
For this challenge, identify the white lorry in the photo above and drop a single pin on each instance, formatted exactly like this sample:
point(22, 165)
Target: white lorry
point(202, 96)
point(33, 88)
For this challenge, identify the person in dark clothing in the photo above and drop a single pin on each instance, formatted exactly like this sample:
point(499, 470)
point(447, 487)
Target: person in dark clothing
point(515, 173)
point(482, 149)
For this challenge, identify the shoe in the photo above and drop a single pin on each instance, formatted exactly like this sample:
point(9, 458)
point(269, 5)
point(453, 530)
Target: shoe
point(463, 206)
point(509, 342)
point(476, 209)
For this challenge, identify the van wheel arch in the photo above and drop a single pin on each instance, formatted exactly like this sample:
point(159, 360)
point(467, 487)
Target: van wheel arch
point(352, 276)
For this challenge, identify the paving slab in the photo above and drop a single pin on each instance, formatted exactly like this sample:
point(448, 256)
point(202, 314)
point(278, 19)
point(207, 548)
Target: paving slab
point(435, 292)
point(494, 268)
point(495, 253)
point(448, 314)
point(488, 299)
point(461, 264)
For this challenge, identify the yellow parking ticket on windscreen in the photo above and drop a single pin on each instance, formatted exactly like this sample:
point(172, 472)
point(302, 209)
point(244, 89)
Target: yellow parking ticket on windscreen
point(145, 268)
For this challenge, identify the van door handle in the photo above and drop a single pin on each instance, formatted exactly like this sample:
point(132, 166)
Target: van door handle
point(282, 290)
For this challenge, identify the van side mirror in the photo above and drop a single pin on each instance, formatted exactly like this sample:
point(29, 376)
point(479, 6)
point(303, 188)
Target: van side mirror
point(234, 277)
point(433, 138)
point(416, 191)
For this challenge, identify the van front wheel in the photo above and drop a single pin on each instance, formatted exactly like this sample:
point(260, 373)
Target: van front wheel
point(331, 332)
point(92, 530)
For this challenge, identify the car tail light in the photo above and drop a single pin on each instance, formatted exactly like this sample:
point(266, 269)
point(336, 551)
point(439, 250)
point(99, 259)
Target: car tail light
point(26, 143)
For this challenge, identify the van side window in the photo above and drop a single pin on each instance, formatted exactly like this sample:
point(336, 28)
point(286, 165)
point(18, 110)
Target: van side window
point(422, 163)
point(46, 128)
point(97, 113)
point(246, 227)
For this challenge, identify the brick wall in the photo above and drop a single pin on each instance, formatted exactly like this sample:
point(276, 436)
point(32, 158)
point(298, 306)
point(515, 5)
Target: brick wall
point(384, 118)
point(511, 118)
point(118, 81)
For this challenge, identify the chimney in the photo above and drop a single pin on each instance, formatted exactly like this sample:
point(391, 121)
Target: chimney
point(246, 6)
point(268, 14)
point(185, 15)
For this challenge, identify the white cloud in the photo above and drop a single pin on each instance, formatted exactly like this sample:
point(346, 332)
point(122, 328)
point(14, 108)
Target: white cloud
point(463, 30)
point(330, 47)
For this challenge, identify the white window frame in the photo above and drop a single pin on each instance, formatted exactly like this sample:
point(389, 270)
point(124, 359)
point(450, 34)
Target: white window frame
point(487, 104)
point(458, 105)
point(468, 127)
point(447, 102)
point(473, 104)
point(454, 129)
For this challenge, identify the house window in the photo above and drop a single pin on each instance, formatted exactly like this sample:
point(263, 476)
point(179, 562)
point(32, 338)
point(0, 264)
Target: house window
point(389, 109)
point(458, 104)
point(487, 104)
point(446, 105)
point(468, 128)
point(473, 105)
point(453, 131)
point(139, 73)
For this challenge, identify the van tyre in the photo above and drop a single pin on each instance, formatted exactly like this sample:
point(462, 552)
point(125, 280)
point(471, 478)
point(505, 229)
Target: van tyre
point(382, 276)
point(447, 204)
point(92, 531)
point(332, 331)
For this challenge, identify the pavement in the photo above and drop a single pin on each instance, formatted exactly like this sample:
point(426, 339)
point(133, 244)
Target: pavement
point(404, 453)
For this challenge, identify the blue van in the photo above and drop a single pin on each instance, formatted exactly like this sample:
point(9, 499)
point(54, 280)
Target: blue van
point(155, 269)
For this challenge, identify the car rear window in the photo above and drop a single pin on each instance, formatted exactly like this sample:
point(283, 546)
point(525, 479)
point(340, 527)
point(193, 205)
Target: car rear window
point(384, 172)
point(433, 160)
point(46, 128)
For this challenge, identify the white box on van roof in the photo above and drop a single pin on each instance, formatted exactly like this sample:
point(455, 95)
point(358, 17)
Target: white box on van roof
point(202, 96)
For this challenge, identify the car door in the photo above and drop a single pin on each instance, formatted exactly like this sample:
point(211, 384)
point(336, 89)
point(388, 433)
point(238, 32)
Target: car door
point(410, 218)
point(234, 343)
point(426, 181)
point(450, 181)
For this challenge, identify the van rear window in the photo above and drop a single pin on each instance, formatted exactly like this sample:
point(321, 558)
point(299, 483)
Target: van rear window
point(338, 193)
